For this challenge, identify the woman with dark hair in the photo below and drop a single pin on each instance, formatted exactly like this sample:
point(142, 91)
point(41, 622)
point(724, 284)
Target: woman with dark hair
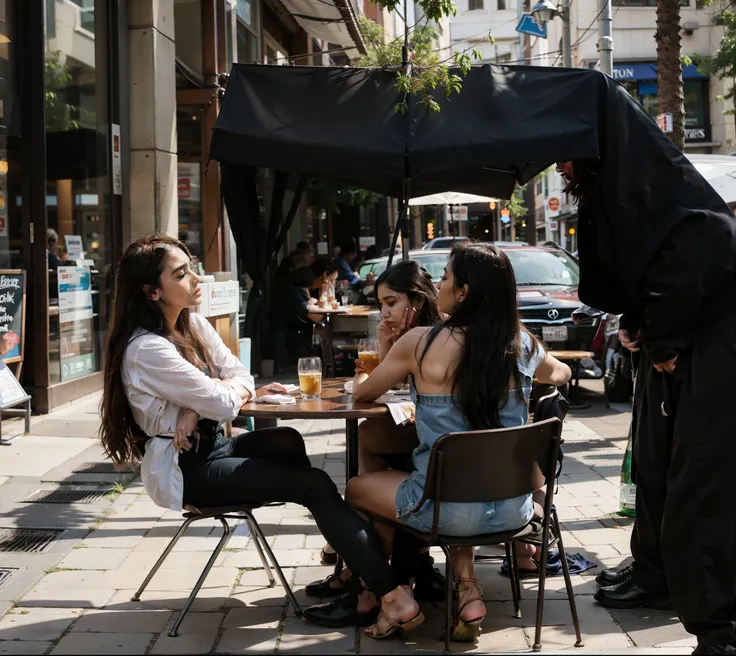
point(324, 273)
point(407, 298)
point(169, 385)
point(472, 372)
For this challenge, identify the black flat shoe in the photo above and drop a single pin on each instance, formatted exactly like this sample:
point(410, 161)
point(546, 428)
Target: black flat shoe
point(341, 612)
point(323, 589)
point(705, 650)
point(429, 584)
point(630, 595)
point(614, 576)
point(327, 558)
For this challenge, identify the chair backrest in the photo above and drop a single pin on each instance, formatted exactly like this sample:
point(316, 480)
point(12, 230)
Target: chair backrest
point(493, 465)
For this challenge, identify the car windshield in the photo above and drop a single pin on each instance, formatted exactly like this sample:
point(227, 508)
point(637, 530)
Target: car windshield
point(542, 267)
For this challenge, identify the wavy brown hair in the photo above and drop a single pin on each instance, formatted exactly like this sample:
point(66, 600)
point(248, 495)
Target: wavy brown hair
point(139, 272)
point(411, 278)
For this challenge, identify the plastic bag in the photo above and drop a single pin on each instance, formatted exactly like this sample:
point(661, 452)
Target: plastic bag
point(161, 474)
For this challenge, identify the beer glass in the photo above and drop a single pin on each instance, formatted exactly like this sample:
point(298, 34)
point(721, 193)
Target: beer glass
point(369, 354)
point(310, 378)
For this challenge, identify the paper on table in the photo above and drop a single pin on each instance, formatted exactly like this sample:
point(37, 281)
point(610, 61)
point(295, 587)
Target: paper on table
point(402, 411)
point(277, 399)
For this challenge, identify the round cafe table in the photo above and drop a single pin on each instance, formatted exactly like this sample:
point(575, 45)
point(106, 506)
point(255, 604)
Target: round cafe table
point(334, 403)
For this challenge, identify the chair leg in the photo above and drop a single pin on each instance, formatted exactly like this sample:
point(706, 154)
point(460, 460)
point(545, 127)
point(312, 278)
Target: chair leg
point(537, 646)
point(568, 582)
point(174, 633)
point(512, 565)
point(449, 581)
point(275, 563)
point(261, 555)
point(162, 558)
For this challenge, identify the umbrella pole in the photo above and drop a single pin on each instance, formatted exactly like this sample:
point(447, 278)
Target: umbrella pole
point(402, 227)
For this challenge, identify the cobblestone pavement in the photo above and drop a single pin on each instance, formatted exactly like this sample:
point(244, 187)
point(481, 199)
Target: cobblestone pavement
point(74, 596)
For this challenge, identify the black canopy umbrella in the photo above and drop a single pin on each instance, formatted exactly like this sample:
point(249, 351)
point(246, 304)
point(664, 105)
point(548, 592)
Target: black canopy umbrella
point(508, 124)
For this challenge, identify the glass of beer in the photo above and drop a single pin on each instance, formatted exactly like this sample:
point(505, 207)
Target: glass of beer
point(310, 378)
point(369, 354)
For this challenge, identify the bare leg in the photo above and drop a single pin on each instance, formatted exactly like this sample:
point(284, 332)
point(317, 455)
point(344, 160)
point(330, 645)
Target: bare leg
point(470, 610)
point(526, 553)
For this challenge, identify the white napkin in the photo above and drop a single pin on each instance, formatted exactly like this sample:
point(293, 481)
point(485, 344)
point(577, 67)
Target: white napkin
point(291, 388)
point(277, 399)
point(402, 411)
point(349, 386)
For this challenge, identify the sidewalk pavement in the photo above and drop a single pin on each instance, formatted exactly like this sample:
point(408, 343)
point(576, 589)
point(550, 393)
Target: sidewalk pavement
point(73, 597)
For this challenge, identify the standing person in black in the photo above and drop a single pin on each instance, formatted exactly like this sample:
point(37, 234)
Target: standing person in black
point(668, 264)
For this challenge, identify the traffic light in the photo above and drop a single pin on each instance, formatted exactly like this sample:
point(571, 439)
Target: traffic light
point(430, 230)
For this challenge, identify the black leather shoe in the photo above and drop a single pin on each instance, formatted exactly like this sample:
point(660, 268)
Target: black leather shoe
point(714, 649)
point(340, 612)
point(630, 595)
point(429, 584)
point(614, 576)
point(323, 589)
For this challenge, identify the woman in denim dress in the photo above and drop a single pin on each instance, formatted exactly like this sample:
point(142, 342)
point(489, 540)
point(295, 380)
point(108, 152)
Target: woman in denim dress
point(473, 372)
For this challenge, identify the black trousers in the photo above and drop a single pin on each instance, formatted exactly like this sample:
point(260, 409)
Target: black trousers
point(272, 465)
point(684, 538)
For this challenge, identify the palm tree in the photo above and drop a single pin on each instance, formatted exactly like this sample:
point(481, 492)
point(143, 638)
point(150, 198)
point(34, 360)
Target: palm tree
point(669, 68)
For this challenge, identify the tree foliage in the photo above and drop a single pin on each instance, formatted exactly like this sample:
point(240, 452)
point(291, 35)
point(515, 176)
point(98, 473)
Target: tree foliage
point(515, 204)
point(427, 70)
point(61, 116)
point(723, 63)
point(329, 195)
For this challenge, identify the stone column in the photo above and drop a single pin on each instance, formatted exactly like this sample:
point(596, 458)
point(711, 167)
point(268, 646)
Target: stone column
point(153, 160)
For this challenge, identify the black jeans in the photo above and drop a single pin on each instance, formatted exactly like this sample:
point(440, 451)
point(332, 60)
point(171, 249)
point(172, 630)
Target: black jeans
point(272, 465)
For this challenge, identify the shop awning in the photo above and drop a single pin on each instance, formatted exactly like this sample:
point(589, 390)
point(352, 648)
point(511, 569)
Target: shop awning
point(333, 21)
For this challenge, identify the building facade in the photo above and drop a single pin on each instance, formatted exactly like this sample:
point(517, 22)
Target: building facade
point(106, 110)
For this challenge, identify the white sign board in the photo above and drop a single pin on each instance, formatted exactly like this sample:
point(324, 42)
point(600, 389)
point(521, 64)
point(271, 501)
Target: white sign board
point(75, 293)
point(220, 298)
point(553, 225)
point(11, 391)
point(74, 246)
point(189, 181)
point(664, 121)
point(117, 164)
point(322, 248)
point(458, 213)
point(365, 242)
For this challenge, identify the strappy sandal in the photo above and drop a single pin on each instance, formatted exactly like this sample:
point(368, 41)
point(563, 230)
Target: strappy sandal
point(394, 626)
point(467, 630)
point(327, 558)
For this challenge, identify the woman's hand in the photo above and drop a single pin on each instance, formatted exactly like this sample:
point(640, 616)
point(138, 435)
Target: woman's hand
point(387, 336)
point(359, 369)
point(187, 426)
point(628, 341)
point(272, 388)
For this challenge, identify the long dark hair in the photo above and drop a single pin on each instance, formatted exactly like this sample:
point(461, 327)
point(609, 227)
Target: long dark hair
point(488, 318)
point(139, 272)
point(411, 278)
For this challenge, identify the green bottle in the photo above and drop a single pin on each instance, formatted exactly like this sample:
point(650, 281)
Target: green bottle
point(627, 494)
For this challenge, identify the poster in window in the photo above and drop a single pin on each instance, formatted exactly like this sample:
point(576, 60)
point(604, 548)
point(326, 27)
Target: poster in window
point(12, 315)
point(76, 328)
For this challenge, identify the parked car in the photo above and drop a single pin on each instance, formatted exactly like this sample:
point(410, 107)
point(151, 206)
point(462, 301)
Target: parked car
point(442, 242)
point(547, 279)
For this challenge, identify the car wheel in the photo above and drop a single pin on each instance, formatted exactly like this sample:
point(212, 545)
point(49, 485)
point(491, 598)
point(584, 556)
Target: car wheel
point(619, 386)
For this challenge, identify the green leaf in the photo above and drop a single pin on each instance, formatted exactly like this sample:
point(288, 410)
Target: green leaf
point(477, 54)
point(491, 39)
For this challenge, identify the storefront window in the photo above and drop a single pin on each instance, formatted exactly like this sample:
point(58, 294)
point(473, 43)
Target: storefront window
point(78, 189)
point(247, 31)
point(12, 244)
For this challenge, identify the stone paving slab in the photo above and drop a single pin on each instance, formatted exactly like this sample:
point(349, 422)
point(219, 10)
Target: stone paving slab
point(32, 455)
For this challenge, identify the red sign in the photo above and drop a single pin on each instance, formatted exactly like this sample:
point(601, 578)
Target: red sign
point(185, 189)
point(554, 204)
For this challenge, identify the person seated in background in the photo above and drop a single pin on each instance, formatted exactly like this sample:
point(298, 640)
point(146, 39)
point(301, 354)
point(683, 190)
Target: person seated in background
point(324, 274)
point(292, 307)
point(343, 262)
point(291, 263)
point(303, 248)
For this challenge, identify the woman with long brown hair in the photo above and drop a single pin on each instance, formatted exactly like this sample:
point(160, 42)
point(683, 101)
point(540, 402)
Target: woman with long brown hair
point(170, 380)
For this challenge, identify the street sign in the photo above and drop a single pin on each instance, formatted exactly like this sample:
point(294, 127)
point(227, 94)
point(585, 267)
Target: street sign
point(527, 25)
point(664, 121)
point(554, 204)
point(553, 225)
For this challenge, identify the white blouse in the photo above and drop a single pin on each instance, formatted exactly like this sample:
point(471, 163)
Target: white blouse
point(160, 385)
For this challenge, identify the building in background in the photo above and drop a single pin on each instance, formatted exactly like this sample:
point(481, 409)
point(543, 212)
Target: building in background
point(106, 111)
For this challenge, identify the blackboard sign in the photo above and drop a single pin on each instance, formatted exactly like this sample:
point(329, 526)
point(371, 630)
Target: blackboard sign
point(12, 314)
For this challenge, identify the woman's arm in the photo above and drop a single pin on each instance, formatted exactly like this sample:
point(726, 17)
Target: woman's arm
point(552, 372)
point(399, 363)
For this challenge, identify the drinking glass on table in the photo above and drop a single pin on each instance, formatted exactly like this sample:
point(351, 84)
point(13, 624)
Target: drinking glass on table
point(369, 354)
point(310, 378)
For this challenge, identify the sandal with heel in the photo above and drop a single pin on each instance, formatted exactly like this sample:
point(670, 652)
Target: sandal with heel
point(394, 626)
point(467, 630)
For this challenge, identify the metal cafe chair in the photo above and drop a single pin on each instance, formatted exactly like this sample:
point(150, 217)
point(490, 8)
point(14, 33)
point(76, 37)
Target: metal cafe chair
point(492, 465)
point(222, 513)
